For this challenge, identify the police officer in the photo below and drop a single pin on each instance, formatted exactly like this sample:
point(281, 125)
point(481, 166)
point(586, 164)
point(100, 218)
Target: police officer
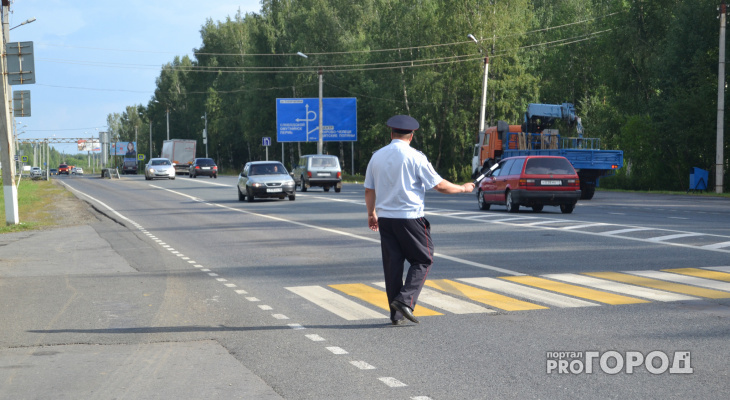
point(396, 181)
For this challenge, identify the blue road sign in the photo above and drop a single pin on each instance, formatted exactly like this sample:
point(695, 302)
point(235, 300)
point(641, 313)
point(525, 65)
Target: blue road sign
point(266, 141)
point(297, 120)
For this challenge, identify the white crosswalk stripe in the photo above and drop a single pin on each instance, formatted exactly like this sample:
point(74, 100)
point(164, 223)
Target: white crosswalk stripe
point(631, 290)
point(689, 280)
point(336, 303)
point(537, 295)
point(446, 302)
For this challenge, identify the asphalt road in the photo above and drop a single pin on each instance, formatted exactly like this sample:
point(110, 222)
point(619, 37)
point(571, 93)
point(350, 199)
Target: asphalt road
point(290, 290)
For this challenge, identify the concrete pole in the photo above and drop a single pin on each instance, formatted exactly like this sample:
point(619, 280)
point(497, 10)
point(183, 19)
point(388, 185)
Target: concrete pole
point(719, 147)
point(10, 191)
point(320, 143)
point(150, 140)
point(206, 134)
point(168, 122)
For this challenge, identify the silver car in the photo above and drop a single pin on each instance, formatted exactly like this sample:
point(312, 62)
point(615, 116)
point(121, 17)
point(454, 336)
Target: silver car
point(265, 179)
point(318, 170)
point(159, 168)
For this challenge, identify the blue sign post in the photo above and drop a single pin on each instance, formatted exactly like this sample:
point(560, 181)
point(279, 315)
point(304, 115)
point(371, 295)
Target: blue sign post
point(297, 120)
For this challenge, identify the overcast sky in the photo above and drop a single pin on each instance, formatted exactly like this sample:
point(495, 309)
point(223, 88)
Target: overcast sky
point(95, 57)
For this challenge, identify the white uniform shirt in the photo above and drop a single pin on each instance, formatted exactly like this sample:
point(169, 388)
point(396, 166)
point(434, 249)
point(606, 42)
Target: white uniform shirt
point(400, 176)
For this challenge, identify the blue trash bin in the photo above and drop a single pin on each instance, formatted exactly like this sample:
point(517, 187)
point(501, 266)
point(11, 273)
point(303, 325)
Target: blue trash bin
point(698, 179)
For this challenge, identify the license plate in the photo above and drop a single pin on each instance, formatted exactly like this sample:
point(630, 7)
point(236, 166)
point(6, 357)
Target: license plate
point(205, 168)
point(323, 174)
point(551, 183)
point(273, 190)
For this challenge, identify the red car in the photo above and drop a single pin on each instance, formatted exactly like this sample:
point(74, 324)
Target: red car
point(64, 169)
point(531, 181)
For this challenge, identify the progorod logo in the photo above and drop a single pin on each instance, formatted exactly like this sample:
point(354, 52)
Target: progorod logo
point(612, 362)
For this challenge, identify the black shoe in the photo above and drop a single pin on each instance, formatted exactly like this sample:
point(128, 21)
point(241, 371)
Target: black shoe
point(398, 322)
point(405, 310)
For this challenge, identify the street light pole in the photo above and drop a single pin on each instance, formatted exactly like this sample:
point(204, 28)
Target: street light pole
point(205, 134)
point(167, 112)
point(320, 142)
point(483, 110)
point(10, 191)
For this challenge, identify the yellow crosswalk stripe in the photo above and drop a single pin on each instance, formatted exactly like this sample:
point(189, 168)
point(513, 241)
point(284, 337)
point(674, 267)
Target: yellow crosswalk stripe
point(482, 296)
point(701, 273)
point(573, 290)
point(661, 285)
point(378, 298)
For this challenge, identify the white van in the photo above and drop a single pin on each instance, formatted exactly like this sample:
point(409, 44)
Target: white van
point(318, 170)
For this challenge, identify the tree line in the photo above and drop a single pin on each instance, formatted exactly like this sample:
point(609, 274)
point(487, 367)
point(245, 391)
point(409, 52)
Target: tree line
point(642, 75)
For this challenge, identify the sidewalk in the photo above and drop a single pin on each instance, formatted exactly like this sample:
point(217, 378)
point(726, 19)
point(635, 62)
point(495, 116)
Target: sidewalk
point(36, 369)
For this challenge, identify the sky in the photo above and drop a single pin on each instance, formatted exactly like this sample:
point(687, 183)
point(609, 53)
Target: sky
point(95, 57)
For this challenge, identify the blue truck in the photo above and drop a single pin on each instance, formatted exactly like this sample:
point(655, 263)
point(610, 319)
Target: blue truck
point(539, 135)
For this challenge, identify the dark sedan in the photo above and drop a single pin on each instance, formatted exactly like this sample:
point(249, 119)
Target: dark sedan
point(203, 167)
point(265, 179)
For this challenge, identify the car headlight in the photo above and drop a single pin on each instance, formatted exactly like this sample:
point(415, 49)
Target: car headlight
point(257, 185)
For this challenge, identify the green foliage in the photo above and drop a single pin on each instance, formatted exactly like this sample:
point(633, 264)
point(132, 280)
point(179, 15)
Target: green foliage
point(642, 74)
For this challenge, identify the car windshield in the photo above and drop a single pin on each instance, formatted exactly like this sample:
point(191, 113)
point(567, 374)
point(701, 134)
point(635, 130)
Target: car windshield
point(546, 166)
point(160, 162)
point(268, 169)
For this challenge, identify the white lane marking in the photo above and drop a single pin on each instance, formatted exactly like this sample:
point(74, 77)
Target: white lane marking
point(198, 266)
point(421, 398)
point(336, 350)
point(192, 261)
point(252, 299)
point(677, 218)
point(265, 307)
point(720, 269)
point(362, 365)
point(615, 213)
point(205, 270)
point(716, 245)
point(627, 230)
point(222, 279)
point(689, 280)
point(445, 302)
point(279, 316)
point(567, 228)
point(296, 327)
point(212, 274)
point(611, 286)
point(185, 258)
point(314, 337)
point(230, 285)
point(241, 291)
point(392, 382)
point(526, 292)
point(512, 219)
point(670, 237)
point(351, 235)
point(180, 255)
point(547, 221)
point(335, 303)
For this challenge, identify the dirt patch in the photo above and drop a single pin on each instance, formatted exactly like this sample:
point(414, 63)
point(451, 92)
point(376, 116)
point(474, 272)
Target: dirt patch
point(69, 210)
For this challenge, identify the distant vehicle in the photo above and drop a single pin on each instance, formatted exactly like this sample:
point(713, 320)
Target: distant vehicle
point(203, 166)
point(36, 172)
point(77, 171)
point(54, 171)
point(318, 170)
point(265, 179)
point(531, 181)
point(181, 152)
point(63, 169)
point(129, 167)
point(159, 168)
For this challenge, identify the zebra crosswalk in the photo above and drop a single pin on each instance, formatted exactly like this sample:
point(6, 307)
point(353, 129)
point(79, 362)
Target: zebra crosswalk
point(363, 301)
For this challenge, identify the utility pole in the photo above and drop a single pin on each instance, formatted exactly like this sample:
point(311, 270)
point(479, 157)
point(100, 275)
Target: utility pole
point(320, 141)
point(205, 134)
point(720, 144)
point(10, 191)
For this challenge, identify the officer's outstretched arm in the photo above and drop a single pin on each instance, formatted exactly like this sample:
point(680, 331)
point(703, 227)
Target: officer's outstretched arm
point(449, 188)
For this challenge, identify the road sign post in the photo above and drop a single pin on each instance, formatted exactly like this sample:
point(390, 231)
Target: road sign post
point(266, 142)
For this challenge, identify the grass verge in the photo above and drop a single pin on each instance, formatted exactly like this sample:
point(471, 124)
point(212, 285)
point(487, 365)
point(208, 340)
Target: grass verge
point(35, 202)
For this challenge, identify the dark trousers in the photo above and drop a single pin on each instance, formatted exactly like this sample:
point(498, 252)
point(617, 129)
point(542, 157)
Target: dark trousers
point(401, 240)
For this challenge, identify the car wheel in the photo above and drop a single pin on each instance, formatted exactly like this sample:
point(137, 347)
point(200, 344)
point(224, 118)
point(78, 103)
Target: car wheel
point(241, 196)
point(147, 178)
point(326, 188)
point(511, 206)
point(537, 208)
point(304, 185)
point(483, 205)
point(292, 197)
point(192, 175)
point(337, 190)
point(567, 208)
point(249, 195)
point(172, 178)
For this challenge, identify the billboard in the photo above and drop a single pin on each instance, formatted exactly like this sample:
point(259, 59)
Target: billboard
point(126, 149)
point(88, 145)
point(297, 120)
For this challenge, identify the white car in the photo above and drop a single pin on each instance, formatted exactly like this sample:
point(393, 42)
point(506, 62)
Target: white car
point(36, 172)
point(77, 171)
point(159, 168)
